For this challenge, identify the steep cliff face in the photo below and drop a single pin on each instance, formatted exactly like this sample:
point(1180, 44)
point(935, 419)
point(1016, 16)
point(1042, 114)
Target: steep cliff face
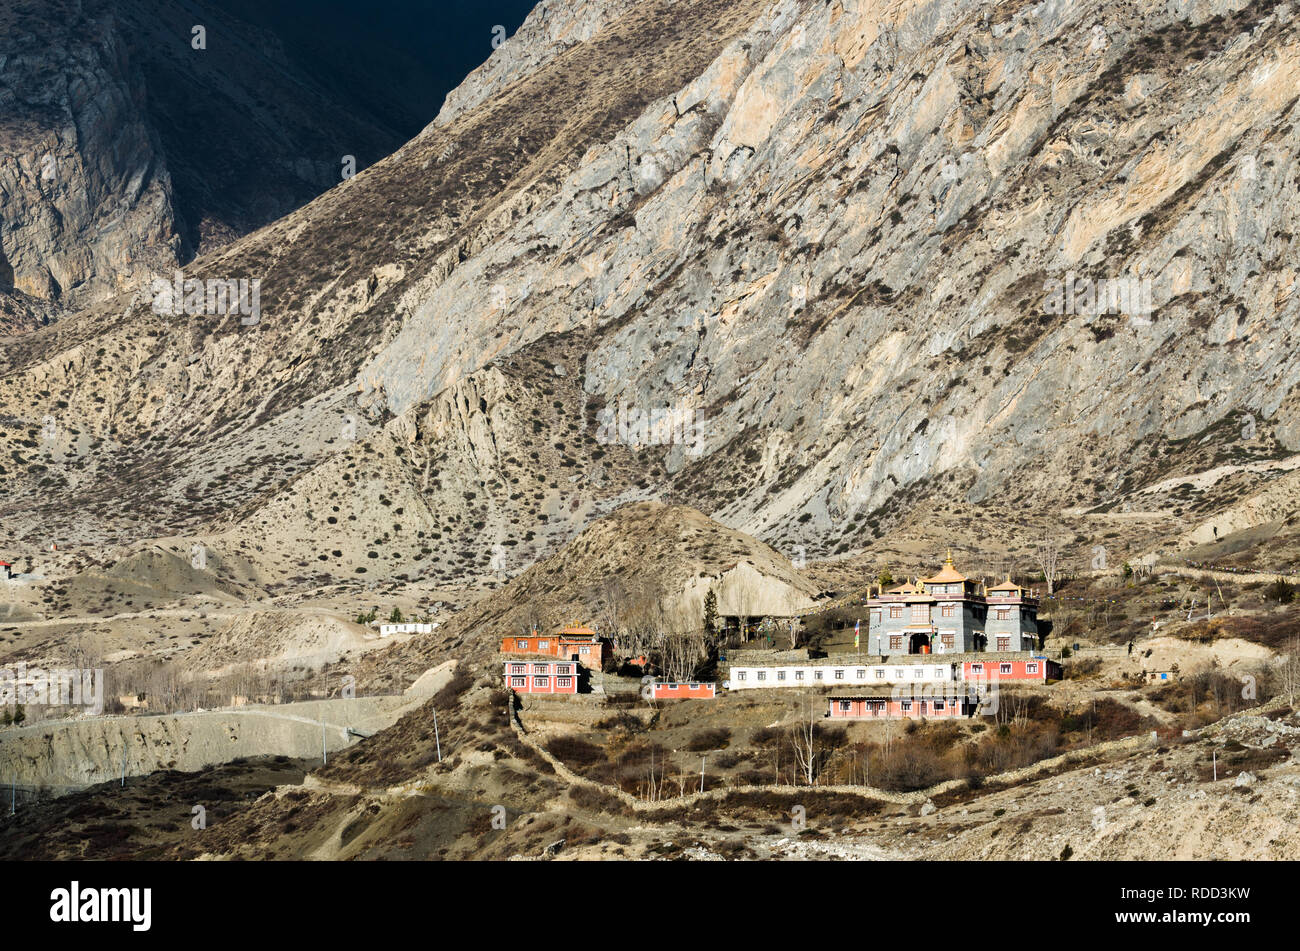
point(825, 271)
point(129, 141)
point(85, 201)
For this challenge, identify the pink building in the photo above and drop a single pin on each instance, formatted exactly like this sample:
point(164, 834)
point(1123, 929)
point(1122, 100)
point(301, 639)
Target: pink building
point(542, 676)
point(1039, 668)
point(676, 691)
point(884, 706)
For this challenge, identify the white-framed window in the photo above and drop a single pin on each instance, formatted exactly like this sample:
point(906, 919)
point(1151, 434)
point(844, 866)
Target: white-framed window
point(780, 675)
point(899, 673)
point(907, 706)
point(518, 668)
point(1031, 668)
point(519, 681)
point(839, 675)
point(862, 674)
point(584, 649)
point(977, 668)
point(541, 681)
point(521, 645)
point(563, 669)
point(845, 706)
point(880, 673)
point(938, 673)
point(938, 705)
point(920, 612)
point(1004, 668)
point(919, 673)
point(741, 675)
point(564, 682)
point(762, 675)
point(798, 675)
point(541, 669)
point(819, 675)
point(542, 645)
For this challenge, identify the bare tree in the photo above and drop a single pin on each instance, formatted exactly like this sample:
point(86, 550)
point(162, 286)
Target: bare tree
point(796, 631)
point(1290, 670)
point(1049, 554)
point(803, 737)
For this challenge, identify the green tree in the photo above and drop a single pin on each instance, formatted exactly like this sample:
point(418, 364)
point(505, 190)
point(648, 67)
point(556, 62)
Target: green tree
point(395, 617)
point(711, 613)
point(885, 577)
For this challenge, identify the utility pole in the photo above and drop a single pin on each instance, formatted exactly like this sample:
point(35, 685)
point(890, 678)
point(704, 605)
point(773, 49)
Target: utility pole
point(436, 738)
point(324, 755)
point(702, 759)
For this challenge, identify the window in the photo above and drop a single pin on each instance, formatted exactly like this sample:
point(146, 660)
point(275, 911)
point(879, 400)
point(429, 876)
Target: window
point(977, 669)
point(563, 669)
point(1031, 668)
point(938, 673)
point(563, 681)
point(1004, 643)
point(798, 675)
point(880, 673)
point(541, 682)
point(741, 674)
point(920, 612)
point(762, 675)
point(949, 640)
point(819, 675)
point(895, 610)
point(896, 642)
point(1002, 614)
point(949, 609)
point(521, 645)
point(919, 673)
point(541, 669)
point(839, 675)
point(898, 673)
point(584, 649)
point(518, 668)
point(938, 705)
point(845, 705)
point(862, 674)
point(518, 681)
point(543, 645)
point(907, 706)
point(1004, 668)
point(780, 675)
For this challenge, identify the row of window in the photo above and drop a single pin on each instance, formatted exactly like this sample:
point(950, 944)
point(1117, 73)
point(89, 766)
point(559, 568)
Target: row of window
point(541, 668)
point(900, 673)
point(1031, 667)
point(921, 612)
point(878, 706)
point(561, 683)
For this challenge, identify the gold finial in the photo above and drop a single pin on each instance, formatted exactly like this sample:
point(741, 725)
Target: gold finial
point(949, 559)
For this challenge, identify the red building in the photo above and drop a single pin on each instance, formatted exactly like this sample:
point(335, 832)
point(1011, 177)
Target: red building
point(1039, 668)
point(678, 691)
point(6, 570)
point(585, 646)
point(542, 676)
point(575, 643)
point(884, 707)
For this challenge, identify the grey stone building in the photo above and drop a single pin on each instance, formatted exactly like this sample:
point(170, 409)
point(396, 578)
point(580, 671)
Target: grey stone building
point(951, 613)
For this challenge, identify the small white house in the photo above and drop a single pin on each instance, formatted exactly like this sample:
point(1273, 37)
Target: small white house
point(410, 627)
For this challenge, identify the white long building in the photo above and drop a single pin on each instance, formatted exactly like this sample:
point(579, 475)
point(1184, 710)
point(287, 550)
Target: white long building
point(839, 675)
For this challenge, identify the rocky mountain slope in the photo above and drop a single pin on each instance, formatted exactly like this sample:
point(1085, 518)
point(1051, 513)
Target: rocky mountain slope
point(125, 148)
point(795, 264)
